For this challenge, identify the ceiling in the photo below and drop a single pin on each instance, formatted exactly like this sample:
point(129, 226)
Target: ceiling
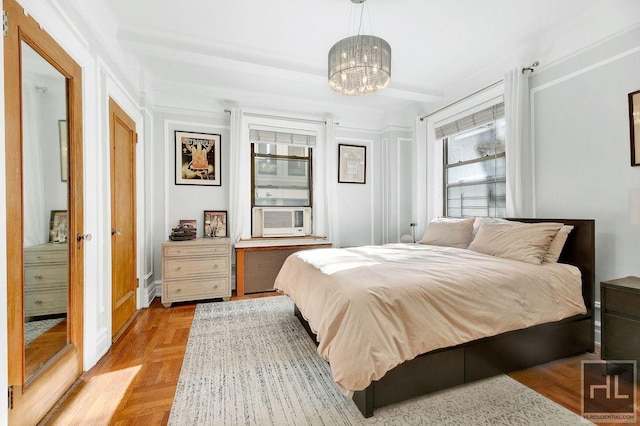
point(273, 53)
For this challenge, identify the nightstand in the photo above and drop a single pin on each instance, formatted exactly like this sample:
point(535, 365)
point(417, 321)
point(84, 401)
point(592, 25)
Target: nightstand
point(620, 308)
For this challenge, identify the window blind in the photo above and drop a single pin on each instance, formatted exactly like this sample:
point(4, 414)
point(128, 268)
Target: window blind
point(271, 136)
point(469, 122)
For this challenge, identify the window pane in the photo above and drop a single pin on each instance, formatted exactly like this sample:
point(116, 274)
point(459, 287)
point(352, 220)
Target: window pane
point(482, 170)
point(487, 199)
point(477, 143)
point(283, 178)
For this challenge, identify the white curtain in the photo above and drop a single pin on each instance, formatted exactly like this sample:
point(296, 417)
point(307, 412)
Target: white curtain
point(518, 145)
point(331, 186)
point(422, 182)
point(239, 181)
point(36, 219)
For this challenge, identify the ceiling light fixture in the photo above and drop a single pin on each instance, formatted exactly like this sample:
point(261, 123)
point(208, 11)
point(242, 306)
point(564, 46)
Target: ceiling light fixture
point(361, 64)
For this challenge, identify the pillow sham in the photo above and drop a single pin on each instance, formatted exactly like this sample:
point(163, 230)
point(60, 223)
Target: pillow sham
point(481, 219)
point(526, 242)
point(557, 244)
point(449, 232)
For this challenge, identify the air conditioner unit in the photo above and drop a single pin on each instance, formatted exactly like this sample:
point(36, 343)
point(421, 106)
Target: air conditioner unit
point(281, 221)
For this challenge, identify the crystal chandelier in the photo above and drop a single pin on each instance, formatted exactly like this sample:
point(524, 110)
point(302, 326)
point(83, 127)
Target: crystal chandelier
point(361, 64)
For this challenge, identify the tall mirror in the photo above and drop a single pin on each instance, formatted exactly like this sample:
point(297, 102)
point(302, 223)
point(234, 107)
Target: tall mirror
point(45, 206)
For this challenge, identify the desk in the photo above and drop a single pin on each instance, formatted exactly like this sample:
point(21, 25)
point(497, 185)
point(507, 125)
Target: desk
point(258, 260)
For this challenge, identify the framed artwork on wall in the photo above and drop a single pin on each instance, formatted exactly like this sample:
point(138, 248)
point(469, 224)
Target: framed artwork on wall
point(352, 163)
point(58, 227)
point(634, 127)
point(215, 224)
point(197, 158)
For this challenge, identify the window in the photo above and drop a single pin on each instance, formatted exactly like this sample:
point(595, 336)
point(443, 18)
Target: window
point(281, 169)
point(475, 165)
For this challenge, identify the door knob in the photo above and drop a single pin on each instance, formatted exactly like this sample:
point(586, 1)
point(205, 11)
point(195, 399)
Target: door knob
point(80, 237)
point(116, 231)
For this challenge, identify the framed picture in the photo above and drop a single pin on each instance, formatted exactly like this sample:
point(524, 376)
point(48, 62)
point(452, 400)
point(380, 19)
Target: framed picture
point(215, 224)
point(58, 227)
point(64, 148)
point(634, 127)
point(352, 163)
point(197, 158)
point(188, 223)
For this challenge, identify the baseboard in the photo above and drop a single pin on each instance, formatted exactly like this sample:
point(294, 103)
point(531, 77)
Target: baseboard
point(598, 338)
point(157, 284)
point(149, 293)
point(103, 342)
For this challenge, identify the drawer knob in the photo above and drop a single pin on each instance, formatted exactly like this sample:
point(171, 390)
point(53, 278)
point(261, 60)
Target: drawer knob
point(215, 286)
point(178, 290)
point(215, 266)
point(38, 302)
point(38, 277)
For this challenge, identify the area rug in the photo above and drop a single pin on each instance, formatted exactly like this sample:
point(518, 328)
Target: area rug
point(34, 329)
point(250, 362)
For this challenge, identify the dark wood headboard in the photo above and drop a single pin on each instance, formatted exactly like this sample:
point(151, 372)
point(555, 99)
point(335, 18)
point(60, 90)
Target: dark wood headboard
point(579, 251)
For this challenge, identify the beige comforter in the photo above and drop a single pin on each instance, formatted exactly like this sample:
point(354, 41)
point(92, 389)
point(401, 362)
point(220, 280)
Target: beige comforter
point(375, 307)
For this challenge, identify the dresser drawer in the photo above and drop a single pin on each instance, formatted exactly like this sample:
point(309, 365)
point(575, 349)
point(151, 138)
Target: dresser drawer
point(46, 253)
point(622, 301)
point(178, 249)
point(45, 277)
point(187, 290)
point(185, 268)
point(620, 338)
point(45, 302)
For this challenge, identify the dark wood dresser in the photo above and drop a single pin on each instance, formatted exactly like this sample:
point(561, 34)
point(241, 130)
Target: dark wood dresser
point(620, 308)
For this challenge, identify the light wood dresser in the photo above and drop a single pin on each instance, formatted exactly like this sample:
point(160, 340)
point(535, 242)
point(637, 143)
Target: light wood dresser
point(196, 269)
point(45, 279)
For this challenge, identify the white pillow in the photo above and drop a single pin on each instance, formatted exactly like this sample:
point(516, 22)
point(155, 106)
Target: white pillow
point(480, 220)
point(449, 232)
point(527, 242)
point(556, 246)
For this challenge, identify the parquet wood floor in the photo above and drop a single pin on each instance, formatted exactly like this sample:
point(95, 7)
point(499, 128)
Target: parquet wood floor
point(134, 383)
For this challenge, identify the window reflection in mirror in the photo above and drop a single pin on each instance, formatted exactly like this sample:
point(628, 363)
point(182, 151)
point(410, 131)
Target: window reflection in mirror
point(45, 202)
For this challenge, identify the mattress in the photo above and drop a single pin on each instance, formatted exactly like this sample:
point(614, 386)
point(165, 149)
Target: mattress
point(375, 307)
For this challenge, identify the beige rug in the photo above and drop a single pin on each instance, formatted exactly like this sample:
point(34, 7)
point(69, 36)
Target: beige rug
point(250, 362)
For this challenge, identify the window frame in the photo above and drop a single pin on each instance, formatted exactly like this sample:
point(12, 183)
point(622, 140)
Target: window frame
point(309, 170)
point(446, 167)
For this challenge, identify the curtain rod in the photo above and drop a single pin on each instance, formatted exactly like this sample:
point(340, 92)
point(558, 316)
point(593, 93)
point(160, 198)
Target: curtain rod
point(529, 68)
point(492, 85)
point(302, 120)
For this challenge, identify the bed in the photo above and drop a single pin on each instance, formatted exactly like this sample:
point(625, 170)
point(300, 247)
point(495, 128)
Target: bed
point(516, 343)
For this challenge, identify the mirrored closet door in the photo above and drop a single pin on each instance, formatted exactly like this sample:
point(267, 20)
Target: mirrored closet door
point(44, 217)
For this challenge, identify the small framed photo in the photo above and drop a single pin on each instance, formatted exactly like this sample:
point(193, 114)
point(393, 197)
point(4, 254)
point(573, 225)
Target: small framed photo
point(58, 227)
point(215, 224)
point(634, 127)
point(197, 159)
point(188, 223)
point(352, 163)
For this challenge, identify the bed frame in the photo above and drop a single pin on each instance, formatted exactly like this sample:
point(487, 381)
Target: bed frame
point(515, 350)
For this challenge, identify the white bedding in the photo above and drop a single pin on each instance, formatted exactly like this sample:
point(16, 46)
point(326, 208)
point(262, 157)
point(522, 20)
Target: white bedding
point(375, 307)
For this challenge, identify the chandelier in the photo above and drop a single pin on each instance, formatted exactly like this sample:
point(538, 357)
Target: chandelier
point(361, 64)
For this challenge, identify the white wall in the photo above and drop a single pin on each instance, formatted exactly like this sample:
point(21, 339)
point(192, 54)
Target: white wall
point(582, 155)
point(171, 202)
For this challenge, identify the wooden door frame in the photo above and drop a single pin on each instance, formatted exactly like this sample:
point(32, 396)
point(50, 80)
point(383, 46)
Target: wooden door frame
point(67, 365)
point(116, 112)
